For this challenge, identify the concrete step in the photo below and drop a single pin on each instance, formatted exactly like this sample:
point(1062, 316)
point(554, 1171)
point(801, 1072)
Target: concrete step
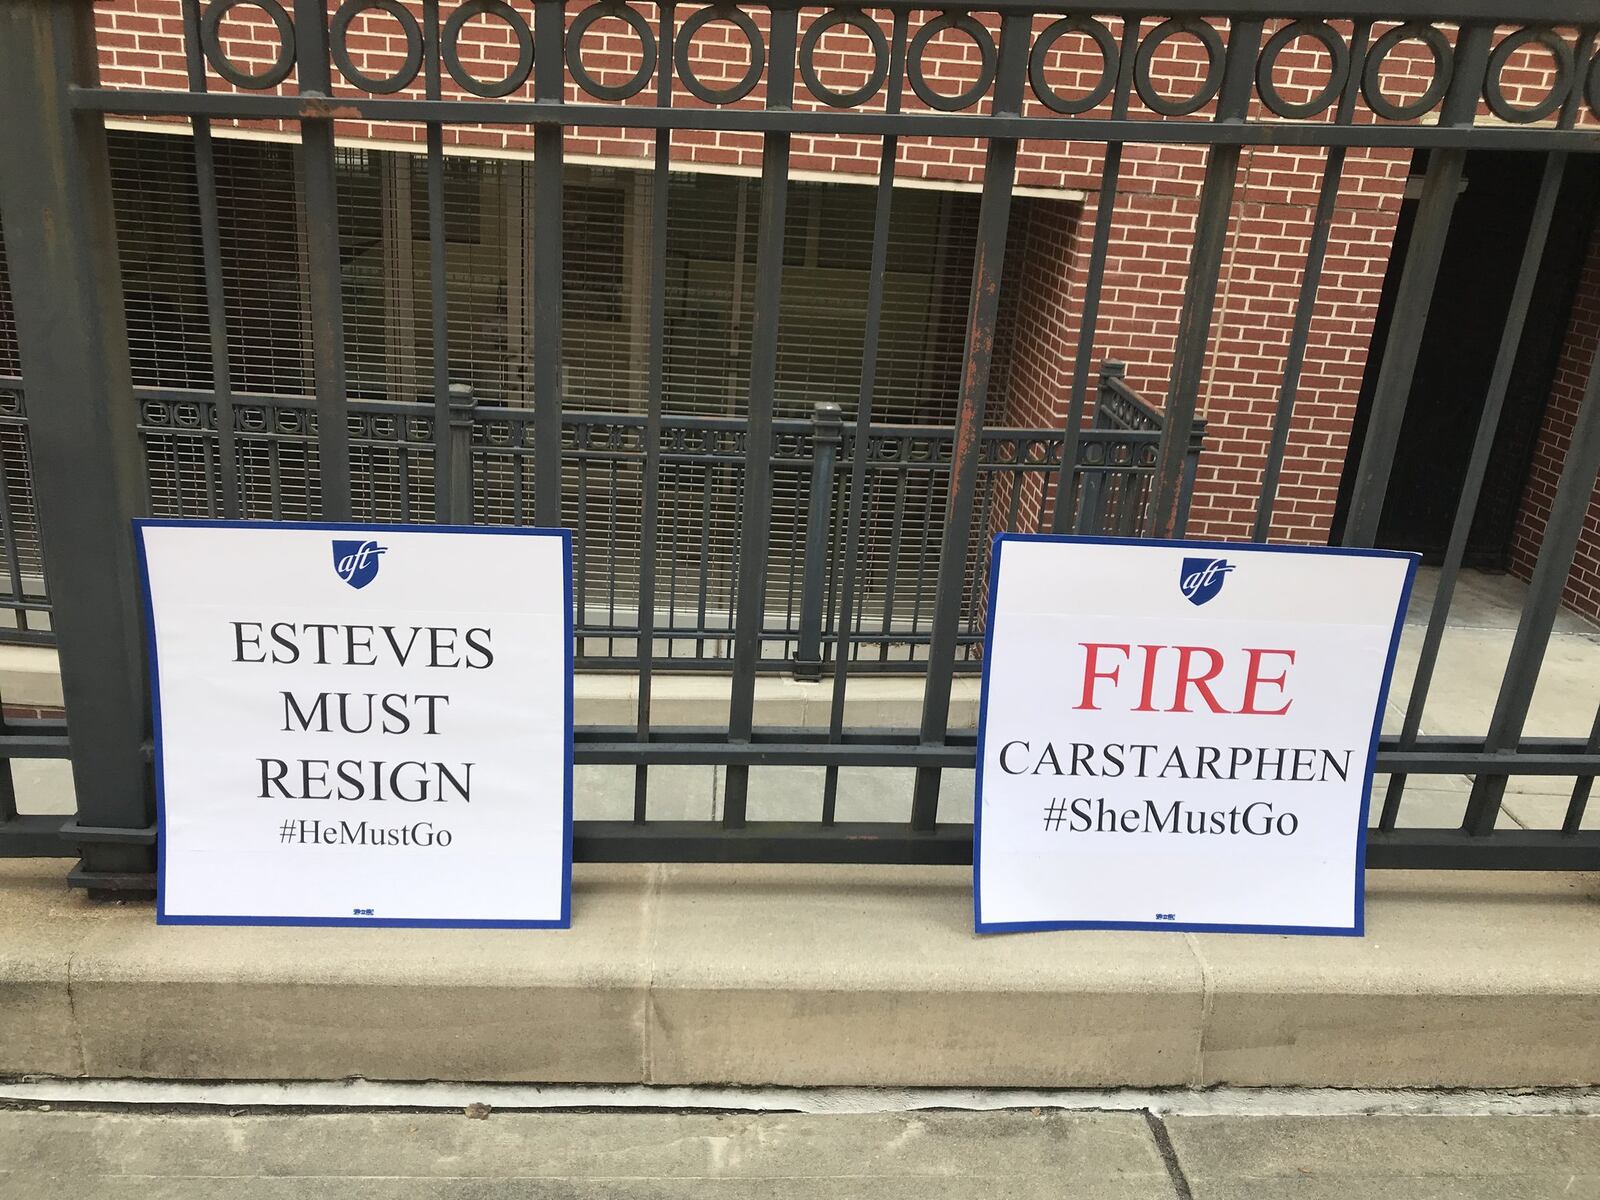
point(814, 976)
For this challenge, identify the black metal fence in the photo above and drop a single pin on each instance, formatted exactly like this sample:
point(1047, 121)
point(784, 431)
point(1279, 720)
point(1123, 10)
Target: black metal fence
point(88, 441)
point(699, 468)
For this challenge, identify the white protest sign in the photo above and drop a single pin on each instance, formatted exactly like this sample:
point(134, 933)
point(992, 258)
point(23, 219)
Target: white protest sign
point(1180, 735)
point(361, 724)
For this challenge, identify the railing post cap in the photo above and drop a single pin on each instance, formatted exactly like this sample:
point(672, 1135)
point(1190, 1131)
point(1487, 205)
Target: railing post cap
point(1114, 366)
point(827, 420)
point(461, 396)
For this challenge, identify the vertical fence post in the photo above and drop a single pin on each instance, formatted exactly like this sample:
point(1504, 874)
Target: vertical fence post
point(1440, 186)
point(1200, 289)
point(1091, 513)
point(1191, 469)
point(827, 432)
point(1563, 529)
point(462, 406)
point(983, 308)
point(756, 526)
point(55, 190)
point(326, 280)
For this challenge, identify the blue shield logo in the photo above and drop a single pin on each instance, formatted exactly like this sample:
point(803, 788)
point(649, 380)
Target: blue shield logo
point(356, 562)
point(1202, 578)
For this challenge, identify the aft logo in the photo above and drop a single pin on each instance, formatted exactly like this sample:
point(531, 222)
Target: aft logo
point(356, 562)
point(1202, 578)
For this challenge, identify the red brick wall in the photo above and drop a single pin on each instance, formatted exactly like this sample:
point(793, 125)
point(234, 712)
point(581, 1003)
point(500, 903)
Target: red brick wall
point(1043, 336)
point(1151, 241)
point(1555, 435)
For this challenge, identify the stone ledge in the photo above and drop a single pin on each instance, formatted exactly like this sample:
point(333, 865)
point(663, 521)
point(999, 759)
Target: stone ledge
point(815, 976)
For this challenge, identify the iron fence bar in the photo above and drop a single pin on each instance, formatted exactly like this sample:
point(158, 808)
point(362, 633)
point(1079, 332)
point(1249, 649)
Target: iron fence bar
point(1575, 90)
point(1412, 302)
point(1191, 470)
point(1105, 215)
point(1200, 290)
point(37, 836)
point(1305, 310)
point(1572, 822)
point(205, 176)
point(325, 288)
point(444, 465)
point(8, 788)
point(61, 242)
point(581, 530)
point(1477, 468)
point(1440, 187)
point(994, 213)
point(656, 360)
point(756, 524)
point(769, 842)
point(703, 582)
point(549, 87)
point(458, 455)
point(829, 434)
point(803, 745)
point(8, 531)
point(550, 113)
point(1091, 509)
point(1104, 218)
point(1014, 481)
point(1468, 65)
point(1562, 530)
point(951, 845)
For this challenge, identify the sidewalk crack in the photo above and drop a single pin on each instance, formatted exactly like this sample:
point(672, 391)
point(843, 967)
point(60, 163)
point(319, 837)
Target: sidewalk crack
point(1208, 998)
point(647, 1014)
point(1169, 1155)
point(72, 1016)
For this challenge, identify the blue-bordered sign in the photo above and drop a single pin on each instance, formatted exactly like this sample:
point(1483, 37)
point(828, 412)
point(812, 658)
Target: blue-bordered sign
point(361, 724)
point(1180, 735)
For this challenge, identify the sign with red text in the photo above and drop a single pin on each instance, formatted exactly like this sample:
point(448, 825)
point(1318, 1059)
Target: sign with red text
point(1180, 735)
point(361, 724)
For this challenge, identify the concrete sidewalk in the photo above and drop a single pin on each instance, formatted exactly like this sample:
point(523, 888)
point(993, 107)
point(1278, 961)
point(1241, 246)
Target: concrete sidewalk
point(926, 1156)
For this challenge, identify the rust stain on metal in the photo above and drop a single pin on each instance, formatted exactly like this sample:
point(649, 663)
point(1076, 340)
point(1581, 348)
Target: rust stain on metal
point(980, 342)
point(315, 108)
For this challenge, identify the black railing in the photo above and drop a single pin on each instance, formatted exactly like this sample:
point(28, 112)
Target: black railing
point(88, 445)
point(700, 467)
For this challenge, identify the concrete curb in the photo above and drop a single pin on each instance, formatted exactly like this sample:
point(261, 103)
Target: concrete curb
point(815, 976)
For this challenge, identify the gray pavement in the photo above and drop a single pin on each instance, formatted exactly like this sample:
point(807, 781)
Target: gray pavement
point(918, 1156)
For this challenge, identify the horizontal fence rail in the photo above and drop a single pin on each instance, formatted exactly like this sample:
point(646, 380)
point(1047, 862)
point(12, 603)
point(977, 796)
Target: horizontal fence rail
point(887, 572)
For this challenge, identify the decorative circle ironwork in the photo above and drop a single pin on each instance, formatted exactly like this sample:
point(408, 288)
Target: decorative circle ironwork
point(211, 43)
point(450, 47)
point(1053, 33)
point(987, 57)
point(1372, 74)
point(684, 57)
point(860, 22)
point(338, 37)
point(647, 50)
point(1566, 67)
point(1338, 72)
point(1209, 86)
